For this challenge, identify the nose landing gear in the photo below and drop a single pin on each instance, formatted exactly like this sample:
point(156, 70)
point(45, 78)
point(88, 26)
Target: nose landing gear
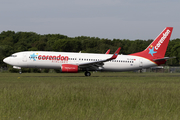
point(20, 71)
point(87, 73)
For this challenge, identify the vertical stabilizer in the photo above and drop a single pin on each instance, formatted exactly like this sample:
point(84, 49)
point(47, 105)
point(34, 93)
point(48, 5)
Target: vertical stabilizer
point(157, 48)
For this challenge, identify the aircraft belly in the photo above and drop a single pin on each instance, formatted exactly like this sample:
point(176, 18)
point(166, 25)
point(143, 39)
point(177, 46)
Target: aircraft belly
point(44, 64)
point(120, 67)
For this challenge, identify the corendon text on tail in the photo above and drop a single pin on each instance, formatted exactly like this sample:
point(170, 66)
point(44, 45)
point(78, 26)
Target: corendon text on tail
point(162, 39)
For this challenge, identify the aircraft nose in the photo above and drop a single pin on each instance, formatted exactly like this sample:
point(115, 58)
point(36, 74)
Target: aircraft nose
point(5, 60)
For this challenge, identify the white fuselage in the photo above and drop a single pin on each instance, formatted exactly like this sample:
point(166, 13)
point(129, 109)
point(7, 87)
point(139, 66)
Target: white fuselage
point(54, 60)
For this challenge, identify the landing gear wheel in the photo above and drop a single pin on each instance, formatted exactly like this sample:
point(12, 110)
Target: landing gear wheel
point(87, 74)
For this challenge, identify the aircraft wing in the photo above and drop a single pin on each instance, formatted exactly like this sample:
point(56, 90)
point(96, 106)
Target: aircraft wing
point(96, 64)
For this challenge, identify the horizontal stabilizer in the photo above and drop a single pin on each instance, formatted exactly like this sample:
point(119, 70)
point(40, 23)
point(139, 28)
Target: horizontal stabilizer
point(165, 58)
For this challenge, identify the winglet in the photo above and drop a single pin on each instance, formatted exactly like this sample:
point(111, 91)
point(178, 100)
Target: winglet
point(116, 53)
point(108, 52)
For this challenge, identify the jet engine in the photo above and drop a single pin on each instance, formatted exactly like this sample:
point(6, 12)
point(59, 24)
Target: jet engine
point(69, 68)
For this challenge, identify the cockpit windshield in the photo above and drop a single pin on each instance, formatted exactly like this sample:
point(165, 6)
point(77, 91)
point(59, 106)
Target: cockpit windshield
point(13, 56)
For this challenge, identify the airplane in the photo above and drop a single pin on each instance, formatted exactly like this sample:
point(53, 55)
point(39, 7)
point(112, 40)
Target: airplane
point(70, 62)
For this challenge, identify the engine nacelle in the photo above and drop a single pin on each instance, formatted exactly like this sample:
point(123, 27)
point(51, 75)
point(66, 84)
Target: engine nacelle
point(69, 68)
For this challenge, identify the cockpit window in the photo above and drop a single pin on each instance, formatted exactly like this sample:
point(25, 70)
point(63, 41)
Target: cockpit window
point(13, 56)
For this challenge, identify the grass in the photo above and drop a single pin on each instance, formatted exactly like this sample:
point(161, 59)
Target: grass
point(103, 96)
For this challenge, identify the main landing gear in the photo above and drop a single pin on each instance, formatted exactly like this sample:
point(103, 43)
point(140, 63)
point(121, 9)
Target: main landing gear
point(87, 73)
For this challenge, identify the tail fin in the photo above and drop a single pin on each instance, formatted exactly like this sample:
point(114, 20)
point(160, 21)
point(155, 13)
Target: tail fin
point(157, 48)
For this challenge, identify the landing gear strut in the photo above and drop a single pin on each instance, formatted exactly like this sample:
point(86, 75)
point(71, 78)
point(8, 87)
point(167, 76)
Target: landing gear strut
point(20, 72)
point(87, 73)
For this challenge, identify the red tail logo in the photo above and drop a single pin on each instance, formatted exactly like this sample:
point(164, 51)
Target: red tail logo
point(162, 39)
point(157, 48)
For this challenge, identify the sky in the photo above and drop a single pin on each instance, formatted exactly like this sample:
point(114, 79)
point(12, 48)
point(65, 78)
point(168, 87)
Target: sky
point(109, 19)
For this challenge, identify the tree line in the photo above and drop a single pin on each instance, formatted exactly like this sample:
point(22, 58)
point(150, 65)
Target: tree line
point(11, 42)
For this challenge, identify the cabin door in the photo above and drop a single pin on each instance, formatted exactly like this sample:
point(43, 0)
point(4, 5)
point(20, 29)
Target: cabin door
point(140, 62)
point(24, 57)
